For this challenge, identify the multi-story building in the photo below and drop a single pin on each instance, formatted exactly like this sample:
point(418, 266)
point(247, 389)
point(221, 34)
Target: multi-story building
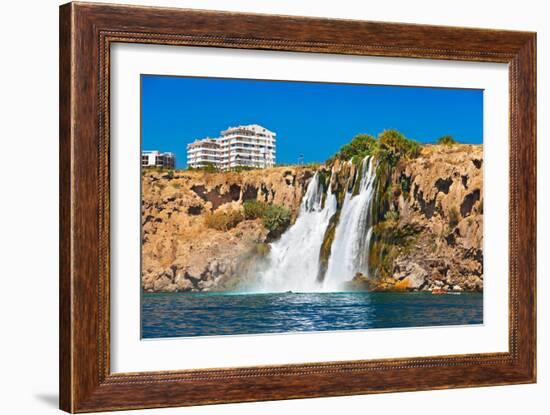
point(203, 152)
point(155, 158)
point(242, 146)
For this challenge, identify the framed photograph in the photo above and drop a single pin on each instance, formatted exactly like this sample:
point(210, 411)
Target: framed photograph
point(258, 207)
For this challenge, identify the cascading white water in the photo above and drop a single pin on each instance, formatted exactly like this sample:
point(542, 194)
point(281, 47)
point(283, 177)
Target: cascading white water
point(293, 262)
point(349, 251)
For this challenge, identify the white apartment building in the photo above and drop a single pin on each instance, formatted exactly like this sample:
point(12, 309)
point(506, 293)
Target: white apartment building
point(203, 152)
point(155, 158)
point(242, 146)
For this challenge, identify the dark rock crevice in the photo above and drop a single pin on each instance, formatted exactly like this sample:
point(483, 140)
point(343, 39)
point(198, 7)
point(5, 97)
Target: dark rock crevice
point(194, 210)
point(265, 192)
point(215, 196)
point(443, 185)
point(249, 193)
point(426, 207)
point(468, 202)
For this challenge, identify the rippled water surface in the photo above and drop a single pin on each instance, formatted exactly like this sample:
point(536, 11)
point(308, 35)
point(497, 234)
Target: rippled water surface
point(198, 314)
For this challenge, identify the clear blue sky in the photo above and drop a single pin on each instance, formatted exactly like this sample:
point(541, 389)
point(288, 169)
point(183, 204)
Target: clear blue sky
point(313, 119)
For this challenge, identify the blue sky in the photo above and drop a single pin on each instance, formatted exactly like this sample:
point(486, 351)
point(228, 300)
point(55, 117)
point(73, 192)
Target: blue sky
point(313, 119)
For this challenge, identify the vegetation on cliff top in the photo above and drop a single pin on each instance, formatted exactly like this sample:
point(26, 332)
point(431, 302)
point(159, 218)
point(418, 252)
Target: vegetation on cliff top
point(390, 145)
point(446, 140)
point(388, 149)
point(388, 237)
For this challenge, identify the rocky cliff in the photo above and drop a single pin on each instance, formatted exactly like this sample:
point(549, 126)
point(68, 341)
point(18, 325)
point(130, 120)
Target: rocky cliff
point(180, 251)
point(431, 238)
point(427, 234)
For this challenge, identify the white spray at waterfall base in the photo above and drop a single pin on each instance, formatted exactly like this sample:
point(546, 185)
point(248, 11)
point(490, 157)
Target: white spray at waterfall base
point(293, 262)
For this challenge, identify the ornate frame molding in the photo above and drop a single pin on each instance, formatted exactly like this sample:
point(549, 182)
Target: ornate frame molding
point(86, 33)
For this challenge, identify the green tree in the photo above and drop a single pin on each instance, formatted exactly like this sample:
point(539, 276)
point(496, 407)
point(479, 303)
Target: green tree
point(397, 145)
point(361, 145)
point(391, 145)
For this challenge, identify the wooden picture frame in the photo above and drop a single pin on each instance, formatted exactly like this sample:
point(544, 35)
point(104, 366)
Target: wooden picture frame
point(86, 33)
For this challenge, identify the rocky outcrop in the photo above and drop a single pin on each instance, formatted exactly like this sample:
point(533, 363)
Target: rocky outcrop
point(181, 253)
point(437, 202)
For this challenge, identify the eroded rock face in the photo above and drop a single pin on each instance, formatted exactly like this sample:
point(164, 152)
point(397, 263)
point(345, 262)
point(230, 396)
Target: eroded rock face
point(180, 253)
point(442, 193)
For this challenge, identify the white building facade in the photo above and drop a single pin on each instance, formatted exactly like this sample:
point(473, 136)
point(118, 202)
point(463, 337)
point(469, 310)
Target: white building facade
point(201, 153)
point(243, 146)
point(155, 158)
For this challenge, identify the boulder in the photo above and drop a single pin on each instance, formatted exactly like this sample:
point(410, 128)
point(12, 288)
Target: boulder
point(412, 276)
point(162, 284)
point(182, 283)
point(417, 276)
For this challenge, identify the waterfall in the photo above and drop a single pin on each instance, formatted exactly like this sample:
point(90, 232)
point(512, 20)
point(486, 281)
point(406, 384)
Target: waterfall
point(293, 261)
point(350, 248)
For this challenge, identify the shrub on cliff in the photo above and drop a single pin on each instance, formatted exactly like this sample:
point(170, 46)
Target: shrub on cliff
point(240, 169)
point(254, 209)
point(276, 219)
point(223, 220)
point(446, 140)
point(389, 240)
point(208, 168)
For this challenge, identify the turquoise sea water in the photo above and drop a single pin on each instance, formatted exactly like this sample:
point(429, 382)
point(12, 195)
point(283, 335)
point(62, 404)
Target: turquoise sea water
point(213, 314)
